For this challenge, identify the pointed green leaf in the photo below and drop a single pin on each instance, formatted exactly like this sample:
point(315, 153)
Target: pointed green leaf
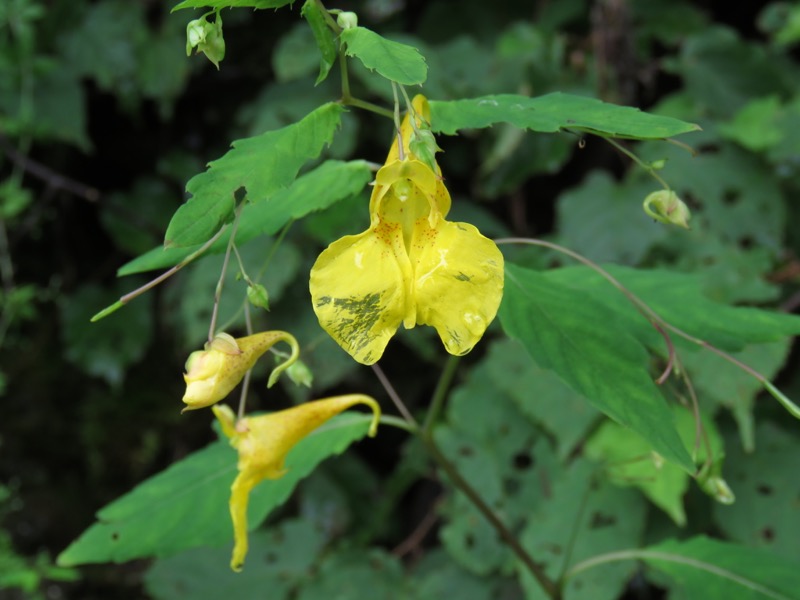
point(551, 113)
point(706, 568)
point(767, 510)
point(397, 62)
point(187, 505)
point(323, 35)
point(580, 340)
point(579, 519)
point(316, 190)
point(262, 165)
point(231, 4)
point(678, 298)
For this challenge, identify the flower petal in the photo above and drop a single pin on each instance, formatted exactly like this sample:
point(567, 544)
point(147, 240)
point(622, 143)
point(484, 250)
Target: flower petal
point(263, 443)
point(458, 282)
point(360, 290)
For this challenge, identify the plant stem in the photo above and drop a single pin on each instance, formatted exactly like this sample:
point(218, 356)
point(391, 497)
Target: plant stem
point(367, 106)
point(411, 425)
point(440, 393)
point(550, 588)
point(638, 161)
point(395, 397)
point(218, 292)
point(167, 274)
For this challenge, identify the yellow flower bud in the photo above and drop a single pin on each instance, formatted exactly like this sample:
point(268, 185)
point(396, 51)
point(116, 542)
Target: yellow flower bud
point(263, 443)
point(211, 374)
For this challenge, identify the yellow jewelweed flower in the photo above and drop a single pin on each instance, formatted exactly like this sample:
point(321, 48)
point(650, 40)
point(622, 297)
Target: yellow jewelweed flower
point(263, 443)
point(411, 266)
point(211, 374)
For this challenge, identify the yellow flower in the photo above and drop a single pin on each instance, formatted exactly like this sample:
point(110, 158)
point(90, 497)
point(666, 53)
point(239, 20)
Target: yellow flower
point(211, 374)
point(411, 266)
point(263, 443)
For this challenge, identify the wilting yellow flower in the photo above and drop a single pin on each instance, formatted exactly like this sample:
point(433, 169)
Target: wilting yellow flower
point(411, 266)
point(211, 374)
point(263, 443)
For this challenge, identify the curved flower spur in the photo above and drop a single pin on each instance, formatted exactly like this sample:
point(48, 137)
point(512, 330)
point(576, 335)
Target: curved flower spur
point(411, 266)
point(263, 443)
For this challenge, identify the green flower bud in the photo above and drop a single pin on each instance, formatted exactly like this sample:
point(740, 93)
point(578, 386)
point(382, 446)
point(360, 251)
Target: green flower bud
point(300, 374)
point(258, 296)
point(666, 207)
point(717, 488)
point(423, 146)
point(657, 165)
point(347, 20)
point(207, 38)
point(196, 34)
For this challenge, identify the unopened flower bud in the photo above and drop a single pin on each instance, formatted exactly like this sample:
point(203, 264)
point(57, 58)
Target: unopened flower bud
point(211, 374)
point(207, 38)
point(258, 296)
point(666, 207)
point(300, 374)
point(347, 20)
point(423, 146)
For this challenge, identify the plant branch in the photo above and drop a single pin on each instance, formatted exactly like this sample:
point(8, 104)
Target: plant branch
point(154, 282)
point(505, 534)
point(367, 106)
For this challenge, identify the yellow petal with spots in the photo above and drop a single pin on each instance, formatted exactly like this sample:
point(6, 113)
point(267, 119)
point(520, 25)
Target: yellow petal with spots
point(360, 290)
point(458, 282)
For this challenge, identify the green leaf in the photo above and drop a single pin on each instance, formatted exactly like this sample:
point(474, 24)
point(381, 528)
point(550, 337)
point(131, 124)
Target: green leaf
point(721, 383)
point(397, 62)
point(323, 36)
point(285, 555)
point(263, 164)
point(766, 512)
point(551, 113)
point(316, 190)
point(351, 572)
point(678, 298)
point(756, 125)
point(579, 519)
point(628, 461)
point(187, 505)
point(602, 219)
point(231, 4)
point(579, 338)
point(540, 395)
point(502, 454)
point(711, 569)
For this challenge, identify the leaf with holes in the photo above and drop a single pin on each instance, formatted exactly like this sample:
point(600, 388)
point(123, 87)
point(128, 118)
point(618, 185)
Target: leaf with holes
point(767, 508)
point(577, 521)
